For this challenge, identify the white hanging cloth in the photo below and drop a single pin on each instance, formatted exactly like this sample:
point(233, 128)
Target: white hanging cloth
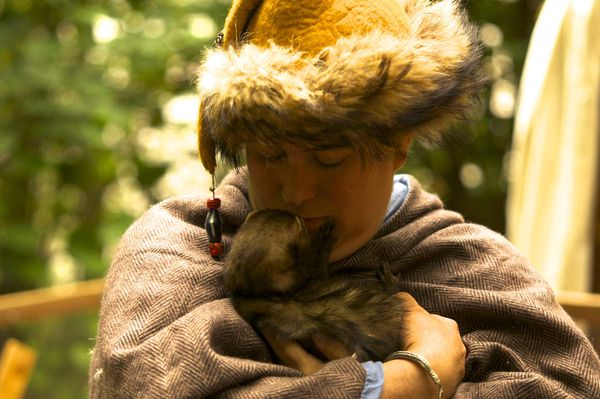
point(554, 160)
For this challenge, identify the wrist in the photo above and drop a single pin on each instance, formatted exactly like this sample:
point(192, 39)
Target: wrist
point(407, 379)
point(421, 361)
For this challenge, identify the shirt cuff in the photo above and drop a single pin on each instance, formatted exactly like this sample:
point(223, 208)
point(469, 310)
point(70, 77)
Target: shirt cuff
point(374, 381)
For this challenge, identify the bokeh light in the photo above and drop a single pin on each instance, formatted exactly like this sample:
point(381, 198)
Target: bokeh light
point(471, 175)
point(105, 29)
point(503, 98)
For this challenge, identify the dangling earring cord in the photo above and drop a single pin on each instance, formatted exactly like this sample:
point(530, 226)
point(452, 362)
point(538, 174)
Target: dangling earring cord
point(212, 188)
point(213, 223)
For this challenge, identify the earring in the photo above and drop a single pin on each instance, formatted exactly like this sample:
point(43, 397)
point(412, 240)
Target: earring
point(213, 223)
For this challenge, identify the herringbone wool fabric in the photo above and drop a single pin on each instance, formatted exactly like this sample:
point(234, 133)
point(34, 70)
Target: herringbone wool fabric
point(168, 330)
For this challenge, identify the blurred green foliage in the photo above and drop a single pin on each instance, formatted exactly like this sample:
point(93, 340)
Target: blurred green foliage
point(79, 81)
point(468, 170)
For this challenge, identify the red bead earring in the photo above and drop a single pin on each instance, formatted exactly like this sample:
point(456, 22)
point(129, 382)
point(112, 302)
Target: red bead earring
point(214, 223)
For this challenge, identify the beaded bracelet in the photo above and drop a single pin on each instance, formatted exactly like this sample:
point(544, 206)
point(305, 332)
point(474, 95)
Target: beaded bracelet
point(423, 363)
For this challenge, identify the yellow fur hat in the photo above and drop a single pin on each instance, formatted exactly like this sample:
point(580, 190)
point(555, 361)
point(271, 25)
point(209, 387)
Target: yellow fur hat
point(336, 73)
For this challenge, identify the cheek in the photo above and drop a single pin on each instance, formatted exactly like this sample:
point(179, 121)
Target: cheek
point(366, 192)
point(344, 198)
point(355, 208)
point(262, 185)
point(363, 202)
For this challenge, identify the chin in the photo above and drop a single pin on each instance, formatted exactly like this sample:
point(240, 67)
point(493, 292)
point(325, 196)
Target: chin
point(340, 252)
point(347, 247)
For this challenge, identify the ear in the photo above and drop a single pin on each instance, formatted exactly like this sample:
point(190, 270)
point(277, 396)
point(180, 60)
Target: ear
point(401, 150)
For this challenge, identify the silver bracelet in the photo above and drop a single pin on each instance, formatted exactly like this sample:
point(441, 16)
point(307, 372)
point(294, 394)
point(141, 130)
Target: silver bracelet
point(423, 363)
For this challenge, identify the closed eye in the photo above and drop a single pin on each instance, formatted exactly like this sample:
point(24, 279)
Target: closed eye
point(332, 158)
point(330, 165)
point(271, 155)
point(273, 158)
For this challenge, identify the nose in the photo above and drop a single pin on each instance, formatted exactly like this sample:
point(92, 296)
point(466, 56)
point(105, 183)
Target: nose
point(299, 185)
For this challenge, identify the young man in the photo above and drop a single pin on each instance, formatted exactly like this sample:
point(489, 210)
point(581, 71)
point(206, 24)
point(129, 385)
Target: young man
point(324, 98)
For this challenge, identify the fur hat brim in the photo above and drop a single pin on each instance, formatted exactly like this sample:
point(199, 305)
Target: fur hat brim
point(363, 91)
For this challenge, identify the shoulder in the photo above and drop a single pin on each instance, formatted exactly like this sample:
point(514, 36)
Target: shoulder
point(179, 221)
point(420, 214)
point(424, 236)
point(423, 217)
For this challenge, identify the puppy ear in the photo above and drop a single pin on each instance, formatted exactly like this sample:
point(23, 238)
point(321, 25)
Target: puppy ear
point(322, 242)
point(251, 215)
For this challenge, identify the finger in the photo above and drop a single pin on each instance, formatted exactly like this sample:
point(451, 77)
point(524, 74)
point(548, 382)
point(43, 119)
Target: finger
point(331, 348)
point(409, 301)
point(279, 346)
point(291, 353)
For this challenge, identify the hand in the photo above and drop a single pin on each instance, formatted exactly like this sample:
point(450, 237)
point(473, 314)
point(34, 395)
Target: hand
point(292, 354)
point(438, 340)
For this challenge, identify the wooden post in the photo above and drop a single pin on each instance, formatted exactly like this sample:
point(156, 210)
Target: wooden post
point(16, 365)
point(595, 330)
point(596, 216)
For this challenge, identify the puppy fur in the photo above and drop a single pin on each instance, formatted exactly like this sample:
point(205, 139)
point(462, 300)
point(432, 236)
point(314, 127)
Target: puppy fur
point(277, 274)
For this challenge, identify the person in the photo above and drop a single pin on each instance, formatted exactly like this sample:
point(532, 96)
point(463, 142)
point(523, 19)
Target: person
point(323, 99)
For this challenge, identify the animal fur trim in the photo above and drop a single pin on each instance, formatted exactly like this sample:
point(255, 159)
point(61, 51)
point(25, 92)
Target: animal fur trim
point(364, 91)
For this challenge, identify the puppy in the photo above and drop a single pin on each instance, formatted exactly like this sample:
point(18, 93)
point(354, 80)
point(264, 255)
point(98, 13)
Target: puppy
point(278, 276)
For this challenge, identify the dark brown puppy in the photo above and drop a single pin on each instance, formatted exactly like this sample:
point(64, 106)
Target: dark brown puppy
point(278, 277)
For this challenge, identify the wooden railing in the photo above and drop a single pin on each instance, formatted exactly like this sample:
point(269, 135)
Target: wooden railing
point(17, 359)
point(581, 305)
point(52, 301)
point(85, 295)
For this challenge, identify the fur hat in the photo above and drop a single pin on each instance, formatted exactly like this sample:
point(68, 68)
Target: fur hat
point(335, 73)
